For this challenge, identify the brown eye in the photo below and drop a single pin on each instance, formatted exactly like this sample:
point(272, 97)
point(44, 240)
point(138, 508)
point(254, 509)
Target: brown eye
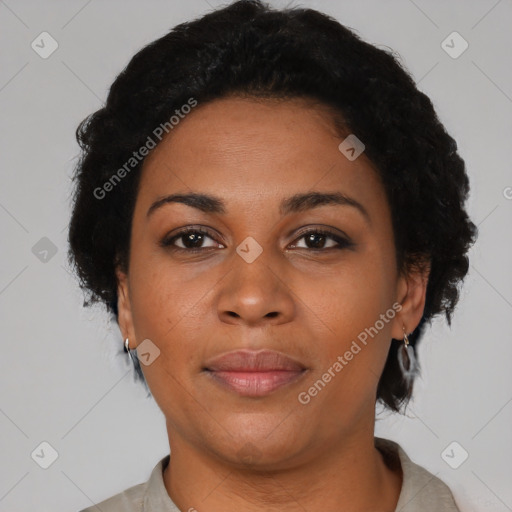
point(191, 240)
point(317, 239)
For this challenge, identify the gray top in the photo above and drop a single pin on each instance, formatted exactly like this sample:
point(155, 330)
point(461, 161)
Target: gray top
point(421, 490)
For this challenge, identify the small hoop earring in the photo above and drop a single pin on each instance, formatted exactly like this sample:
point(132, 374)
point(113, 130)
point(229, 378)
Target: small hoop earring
point(406, 359)
point(127, 349)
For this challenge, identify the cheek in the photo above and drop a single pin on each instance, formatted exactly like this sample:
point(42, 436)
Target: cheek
point(355, 298)
point(161, 294)
point(351, 307)
point(170, 306)
point(164, 311)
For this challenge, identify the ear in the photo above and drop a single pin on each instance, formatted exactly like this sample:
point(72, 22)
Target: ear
point(411, 294)
point(125, 318)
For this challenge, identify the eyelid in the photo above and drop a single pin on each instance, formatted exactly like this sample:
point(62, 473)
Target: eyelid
point(322, 228)
point(338, 236)
point(168, 239)
point(342, 240)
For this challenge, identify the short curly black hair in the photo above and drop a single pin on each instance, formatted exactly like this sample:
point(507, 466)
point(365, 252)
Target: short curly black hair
point(251, 49)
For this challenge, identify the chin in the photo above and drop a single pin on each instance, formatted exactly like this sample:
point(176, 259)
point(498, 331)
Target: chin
point(265, 446)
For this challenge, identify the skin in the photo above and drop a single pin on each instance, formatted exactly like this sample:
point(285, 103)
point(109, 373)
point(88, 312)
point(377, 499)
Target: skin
point(308, 304)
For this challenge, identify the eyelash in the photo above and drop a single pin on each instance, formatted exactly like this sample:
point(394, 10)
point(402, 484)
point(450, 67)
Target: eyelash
point(168, 243)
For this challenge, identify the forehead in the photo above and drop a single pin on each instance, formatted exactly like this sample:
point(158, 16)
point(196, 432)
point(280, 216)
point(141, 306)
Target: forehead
point(264, 150)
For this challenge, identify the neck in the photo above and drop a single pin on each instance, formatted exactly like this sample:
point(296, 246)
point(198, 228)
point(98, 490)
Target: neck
point(352, 475)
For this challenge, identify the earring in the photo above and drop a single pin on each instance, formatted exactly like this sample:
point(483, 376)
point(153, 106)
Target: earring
point(406, 359)
point(127, 349)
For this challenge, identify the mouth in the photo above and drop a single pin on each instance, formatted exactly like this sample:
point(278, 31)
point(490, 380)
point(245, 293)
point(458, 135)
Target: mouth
point(254, 383)
point(254, 373)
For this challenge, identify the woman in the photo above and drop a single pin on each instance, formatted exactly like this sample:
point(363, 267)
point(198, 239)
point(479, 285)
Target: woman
point(273, 212)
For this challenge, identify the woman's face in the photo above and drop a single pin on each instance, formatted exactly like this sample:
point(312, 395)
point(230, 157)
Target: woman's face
point(262, 277)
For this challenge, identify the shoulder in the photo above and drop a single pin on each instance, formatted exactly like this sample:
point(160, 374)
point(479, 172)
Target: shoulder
point(130, 500)
point(421, 490)
point(149, 496)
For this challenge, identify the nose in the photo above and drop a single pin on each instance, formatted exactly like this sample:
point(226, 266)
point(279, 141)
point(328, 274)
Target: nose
point(256, 293)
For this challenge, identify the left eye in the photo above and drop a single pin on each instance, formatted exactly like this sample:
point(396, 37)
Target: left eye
point(317, 238)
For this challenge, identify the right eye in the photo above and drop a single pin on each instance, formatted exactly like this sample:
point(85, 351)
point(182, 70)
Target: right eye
point(191, 240)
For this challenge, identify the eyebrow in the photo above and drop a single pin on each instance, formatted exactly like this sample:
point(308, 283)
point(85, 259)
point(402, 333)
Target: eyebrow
point(296, 203)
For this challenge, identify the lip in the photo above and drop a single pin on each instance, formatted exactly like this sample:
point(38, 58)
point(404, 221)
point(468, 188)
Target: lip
point(253, 361)
point(254, 373)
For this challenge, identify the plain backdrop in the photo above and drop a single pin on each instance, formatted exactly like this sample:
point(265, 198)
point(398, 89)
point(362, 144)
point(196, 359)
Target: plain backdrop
point(64, 380)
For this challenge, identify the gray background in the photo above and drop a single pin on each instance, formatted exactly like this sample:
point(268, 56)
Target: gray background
point(62, 378)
